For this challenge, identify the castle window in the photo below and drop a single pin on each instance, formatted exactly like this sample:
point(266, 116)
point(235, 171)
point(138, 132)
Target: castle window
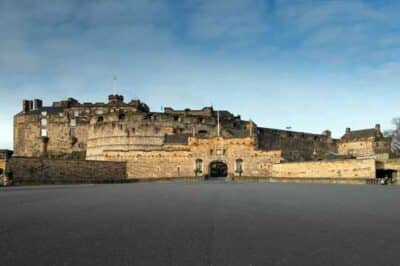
point(100, 119)
point(239, 166)
point(76, 113)
point(44, 113)
point(72, 132)
point(43, 122)
point(73, 123)
point(199, 165)
point(121, 116)
point(99, 112)
point(133, 130)
point(43, 132)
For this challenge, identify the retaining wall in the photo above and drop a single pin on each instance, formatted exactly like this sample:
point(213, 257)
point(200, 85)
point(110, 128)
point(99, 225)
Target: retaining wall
point(40, 170)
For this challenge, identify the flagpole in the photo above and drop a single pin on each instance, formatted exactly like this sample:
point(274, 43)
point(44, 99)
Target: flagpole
point(114, 79)
point(218, 126)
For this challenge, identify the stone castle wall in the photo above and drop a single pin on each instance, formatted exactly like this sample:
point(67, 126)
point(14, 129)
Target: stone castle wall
point(297, 146)
point(363, 168)
point(142, 131)
point(180, 160)
point(357, 148)
point(364, 147)
point(69, 171)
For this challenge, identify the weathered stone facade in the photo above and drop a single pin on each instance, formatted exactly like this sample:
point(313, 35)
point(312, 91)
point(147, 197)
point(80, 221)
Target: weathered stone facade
point(186, 143)
point(363, 168)
point(33, 170)
point(365, 143)
point(69, 129)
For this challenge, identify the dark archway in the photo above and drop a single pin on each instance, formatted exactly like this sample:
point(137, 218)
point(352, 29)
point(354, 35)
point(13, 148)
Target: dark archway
point(386, 175)
point(218, 169)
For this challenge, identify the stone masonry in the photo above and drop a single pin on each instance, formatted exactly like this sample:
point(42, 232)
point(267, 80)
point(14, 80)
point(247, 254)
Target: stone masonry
point(182, 143)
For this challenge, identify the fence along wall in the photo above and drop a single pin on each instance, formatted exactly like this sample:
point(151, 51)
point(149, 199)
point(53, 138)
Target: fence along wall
point(364, 168)
point(56, 170)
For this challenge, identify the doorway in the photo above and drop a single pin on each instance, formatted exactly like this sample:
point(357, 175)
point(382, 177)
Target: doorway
point(218, 169)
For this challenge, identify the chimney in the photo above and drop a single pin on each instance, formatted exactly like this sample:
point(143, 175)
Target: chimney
point(348, 130)
point(115, 99)
point(378, 127)
point(327, 133)
point(26, 106)
point(38, 104)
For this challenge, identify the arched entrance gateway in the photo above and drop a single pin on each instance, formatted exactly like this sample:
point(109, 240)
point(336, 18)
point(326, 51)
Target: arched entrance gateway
point(218, 169)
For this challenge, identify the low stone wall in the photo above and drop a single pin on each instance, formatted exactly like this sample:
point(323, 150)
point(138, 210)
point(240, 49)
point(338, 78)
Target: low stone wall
point(39, 170)
point(318, 180)
point(364, 168)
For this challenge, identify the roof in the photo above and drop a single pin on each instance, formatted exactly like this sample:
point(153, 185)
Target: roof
point(361, 134)
point(176, 139)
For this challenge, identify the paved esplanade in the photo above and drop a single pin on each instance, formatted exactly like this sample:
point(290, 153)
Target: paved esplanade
point(208, 223)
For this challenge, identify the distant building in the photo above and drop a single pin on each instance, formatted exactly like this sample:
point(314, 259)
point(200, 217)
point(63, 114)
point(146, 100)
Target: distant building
point(365, 143)
point(116, 130)
point(184, 143)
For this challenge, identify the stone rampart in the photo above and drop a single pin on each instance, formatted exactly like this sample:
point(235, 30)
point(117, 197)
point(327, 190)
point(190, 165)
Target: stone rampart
point(40, 170)
point(364, 168)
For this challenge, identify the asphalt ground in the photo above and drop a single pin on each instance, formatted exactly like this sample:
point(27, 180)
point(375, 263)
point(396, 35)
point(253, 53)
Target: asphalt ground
point(205, 223)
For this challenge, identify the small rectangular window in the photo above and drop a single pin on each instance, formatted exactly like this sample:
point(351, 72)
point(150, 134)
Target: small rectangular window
point(72, 132)
point(44, 113)
point(76, 113)
point(73, 123)
point(43, 132)
point(43, 122)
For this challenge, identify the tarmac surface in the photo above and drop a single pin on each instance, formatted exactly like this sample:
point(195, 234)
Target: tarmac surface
point(205, 223)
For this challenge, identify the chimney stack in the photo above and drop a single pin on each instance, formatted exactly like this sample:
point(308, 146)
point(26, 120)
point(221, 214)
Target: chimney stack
point(378, 127)
point(115, 99)
point(27, 106)
point(38, 104)
point(348, 130)
point(327, 133)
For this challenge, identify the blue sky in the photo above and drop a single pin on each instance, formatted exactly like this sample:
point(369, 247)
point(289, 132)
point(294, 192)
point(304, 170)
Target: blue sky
point(311, 65)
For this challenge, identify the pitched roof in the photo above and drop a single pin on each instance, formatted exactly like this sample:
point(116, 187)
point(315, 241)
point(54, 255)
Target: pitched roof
point(362, 134)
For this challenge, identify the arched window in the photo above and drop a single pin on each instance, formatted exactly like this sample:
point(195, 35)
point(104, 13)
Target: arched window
point(239, 166)
point(199, 166)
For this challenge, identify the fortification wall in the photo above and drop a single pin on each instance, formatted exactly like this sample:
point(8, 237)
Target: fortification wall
point(57, 170)
point(357, 148)
point(296, 146)
point(364, 168)
point(53, 135)
point(180, 160)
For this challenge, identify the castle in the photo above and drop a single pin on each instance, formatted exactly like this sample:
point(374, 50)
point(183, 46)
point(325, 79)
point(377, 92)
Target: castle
point(191, 143)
